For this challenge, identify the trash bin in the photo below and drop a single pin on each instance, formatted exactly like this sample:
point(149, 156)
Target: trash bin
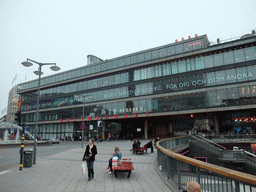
point(28, 158)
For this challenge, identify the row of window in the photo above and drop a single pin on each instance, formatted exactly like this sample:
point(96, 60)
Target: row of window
point(52, 130)
point(79, 86)
point(237, 75)
point(113, 64)
point(214, 98)
point(191, 64)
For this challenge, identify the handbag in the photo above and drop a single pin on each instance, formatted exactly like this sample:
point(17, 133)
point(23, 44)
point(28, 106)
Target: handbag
point(87, 158)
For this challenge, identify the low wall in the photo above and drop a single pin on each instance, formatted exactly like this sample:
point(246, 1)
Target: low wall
point(26, 143)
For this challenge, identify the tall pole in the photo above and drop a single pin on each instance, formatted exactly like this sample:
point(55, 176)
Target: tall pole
point(97, 132)
point(89, 130)
point(37, 114)
point(83, 123)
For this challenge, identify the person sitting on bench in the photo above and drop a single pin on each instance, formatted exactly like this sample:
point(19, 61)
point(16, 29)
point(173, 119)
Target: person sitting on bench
point(134, 146)
point(117, 154)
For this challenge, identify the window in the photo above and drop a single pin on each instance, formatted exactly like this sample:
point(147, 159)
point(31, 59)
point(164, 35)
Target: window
point(111, 80)
point(117, 79)
point(158, 70)
point(109, 65)
point(211, 98)
point(162, 52)
point(181, 66)
point(148, 56)
point(127, 61)
point(199, 62)
point(121, 62)
point(250, 53)
point(69, 75)
point(73, 74)
point(99, 82)
point(103, 67)
point(228, 57)
point(88, 70)
point(179, 49)
point(192, 64)
point(187, 47)
point(141, 57)
point(134, 59)
point(150, 72)
point(218, 59)
point(164, 69)
point(155, 54)
point(244, 92)
point(208, 61)
point(233, 94)
point(239, 55)
point(174, 67)
point(170, 51)
point(143, 74)
point(188, 65)
point(169, 69)
point(93, 69)
point(97, 68)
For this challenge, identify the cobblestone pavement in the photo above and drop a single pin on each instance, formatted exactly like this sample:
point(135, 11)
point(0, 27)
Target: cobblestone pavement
point(62, 172)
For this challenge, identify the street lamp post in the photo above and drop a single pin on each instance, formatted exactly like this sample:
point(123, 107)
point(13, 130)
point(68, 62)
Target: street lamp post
point(29, 63)
point(83, 124)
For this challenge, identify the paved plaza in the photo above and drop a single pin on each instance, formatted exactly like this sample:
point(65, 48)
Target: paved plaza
point(62, 172)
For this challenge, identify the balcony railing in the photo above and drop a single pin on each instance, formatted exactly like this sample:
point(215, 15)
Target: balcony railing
point(181, 169)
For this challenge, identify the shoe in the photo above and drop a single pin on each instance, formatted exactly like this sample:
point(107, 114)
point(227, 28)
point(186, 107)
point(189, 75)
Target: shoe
point(89, 179)
point(107, 167)
point(110, 172)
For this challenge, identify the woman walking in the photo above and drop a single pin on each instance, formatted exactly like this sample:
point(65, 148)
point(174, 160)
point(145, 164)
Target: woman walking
point(89, 157)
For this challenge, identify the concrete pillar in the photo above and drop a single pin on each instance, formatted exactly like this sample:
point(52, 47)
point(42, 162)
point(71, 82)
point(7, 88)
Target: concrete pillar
point(216, 125)
point(103, 129)
point(146, 129)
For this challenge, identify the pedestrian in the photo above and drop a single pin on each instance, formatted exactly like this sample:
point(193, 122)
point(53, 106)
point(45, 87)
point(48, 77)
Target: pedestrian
point(138, 143)
point(193, 186)
point(89, 157)
point(156, 140)
point(117, 154)
point(150, 145)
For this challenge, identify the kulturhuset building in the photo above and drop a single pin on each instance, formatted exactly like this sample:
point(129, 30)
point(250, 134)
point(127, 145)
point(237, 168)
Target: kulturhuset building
point(186, 85)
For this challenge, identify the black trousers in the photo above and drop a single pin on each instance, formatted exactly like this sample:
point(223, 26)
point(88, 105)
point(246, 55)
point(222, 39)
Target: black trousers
point(110, 164)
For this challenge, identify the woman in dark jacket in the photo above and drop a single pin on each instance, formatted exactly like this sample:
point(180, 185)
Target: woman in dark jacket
point(91, 151)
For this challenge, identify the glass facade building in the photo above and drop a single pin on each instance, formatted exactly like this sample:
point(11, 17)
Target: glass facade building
point(157, 92)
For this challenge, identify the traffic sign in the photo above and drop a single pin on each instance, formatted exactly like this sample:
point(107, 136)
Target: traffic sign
point(82, 126)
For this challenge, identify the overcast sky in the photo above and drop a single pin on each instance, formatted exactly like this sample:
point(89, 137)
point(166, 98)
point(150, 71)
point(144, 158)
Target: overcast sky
point(65, 31)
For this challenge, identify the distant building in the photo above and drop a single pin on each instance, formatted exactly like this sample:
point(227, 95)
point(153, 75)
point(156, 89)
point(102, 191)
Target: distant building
point(12, 107)
point(186, 85)
point(3, 119)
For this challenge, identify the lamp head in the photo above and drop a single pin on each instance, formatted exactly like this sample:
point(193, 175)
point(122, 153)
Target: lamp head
point(38, 72)
point(27, 63)
point(55, 68)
